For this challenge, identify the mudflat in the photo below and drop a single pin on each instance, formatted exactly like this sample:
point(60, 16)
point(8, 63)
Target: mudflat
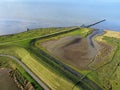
point(73, 50)
point(6, 83)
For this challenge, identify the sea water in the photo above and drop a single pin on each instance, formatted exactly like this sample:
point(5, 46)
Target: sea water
point(18, 15)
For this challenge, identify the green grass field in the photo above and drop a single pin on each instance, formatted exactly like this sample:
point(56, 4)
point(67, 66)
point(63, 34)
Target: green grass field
point(83, 32)
point(30, 34)
point(108, 72)
point(107, 76)
point(17, 48)
point(6, 62)
point(51, 79)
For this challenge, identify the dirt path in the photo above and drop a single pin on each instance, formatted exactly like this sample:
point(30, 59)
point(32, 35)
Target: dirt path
point(6, 83)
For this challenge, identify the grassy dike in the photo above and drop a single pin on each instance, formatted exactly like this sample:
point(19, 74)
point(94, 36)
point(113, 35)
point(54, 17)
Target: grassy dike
point(10, 43)
point(55, 76)
point(16, 45)
point(6, 62)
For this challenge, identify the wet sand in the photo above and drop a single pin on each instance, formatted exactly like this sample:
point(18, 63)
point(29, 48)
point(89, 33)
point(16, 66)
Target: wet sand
point(73, 50)
point(6, 83)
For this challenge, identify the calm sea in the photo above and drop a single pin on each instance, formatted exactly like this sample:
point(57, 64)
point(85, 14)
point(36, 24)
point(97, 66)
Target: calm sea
point(18, 16)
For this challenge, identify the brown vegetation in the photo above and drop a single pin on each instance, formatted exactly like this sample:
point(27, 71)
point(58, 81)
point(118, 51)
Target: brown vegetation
point(21, 82)
point(6, 83)
point(102, 54)
point(109, 34)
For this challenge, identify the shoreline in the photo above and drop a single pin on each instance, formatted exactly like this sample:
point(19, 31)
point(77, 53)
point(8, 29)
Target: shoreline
point(70, 41)
point(8, 34)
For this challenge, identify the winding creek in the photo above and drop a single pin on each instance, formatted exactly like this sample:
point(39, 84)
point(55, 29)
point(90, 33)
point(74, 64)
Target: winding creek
point(90, 38)
point(93, 45)
point(83, 78)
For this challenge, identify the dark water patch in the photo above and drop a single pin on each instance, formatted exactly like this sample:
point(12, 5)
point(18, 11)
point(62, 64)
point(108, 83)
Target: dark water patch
point(76, 40)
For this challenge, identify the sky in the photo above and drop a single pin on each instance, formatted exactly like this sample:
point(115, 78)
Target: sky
point(59, 0)
point(105, 6)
